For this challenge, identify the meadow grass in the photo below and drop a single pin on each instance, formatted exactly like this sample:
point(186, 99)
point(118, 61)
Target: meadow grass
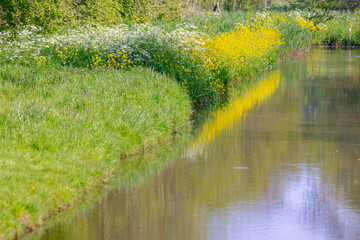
point(64, 131)
point(335, 32)
point(133, 172)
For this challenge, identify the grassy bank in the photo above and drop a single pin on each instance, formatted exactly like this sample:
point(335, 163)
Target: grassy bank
point(63, 132)
point(74, 102)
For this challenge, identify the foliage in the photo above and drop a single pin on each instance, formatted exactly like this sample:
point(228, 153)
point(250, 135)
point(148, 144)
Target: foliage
point(335, 5)
point(227, 5)
point(55, 14)
point(319, 4)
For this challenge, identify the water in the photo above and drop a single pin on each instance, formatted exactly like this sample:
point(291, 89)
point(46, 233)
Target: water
point(280, 162)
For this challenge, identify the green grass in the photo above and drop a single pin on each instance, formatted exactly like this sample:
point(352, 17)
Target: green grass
point(64, 131)
point(336, 31)
point(134, 172)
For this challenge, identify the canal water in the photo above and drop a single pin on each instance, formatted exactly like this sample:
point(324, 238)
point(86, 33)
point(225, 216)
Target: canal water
point(281, 161)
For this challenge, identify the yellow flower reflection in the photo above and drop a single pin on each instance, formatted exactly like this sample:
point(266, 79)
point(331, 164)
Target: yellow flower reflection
point(225, 118)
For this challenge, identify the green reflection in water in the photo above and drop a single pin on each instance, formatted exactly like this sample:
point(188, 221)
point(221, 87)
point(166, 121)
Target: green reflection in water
point(288, 170)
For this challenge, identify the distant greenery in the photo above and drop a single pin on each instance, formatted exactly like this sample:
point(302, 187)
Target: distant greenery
point(236, 5)
point(54, 14)
point(325, 4)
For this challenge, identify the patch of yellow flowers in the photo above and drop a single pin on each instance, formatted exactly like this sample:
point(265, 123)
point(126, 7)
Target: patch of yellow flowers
point(305, 23)
point(41, 61)
point(356, 21)
point(247, 48)
point(243, 45)
point(94, 57)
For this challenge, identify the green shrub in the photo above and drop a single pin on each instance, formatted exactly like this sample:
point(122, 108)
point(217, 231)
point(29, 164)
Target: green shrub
point(55, 14)
point(47, 14)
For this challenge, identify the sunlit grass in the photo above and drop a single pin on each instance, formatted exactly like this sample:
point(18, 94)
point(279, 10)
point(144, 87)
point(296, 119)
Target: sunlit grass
point(64, 131)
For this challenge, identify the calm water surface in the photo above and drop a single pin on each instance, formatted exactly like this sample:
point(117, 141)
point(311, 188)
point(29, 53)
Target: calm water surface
point(280, 162)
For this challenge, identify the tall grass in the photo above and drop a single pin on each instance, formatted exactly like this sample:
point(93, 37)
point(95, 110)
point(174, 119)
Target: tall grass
point(64, 131)
point(336, 30)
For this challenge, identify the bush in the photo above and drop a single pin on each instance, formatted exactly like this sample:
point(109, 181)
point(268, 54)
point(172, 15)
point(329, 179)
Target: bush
point(54, 14)
point(47, 14)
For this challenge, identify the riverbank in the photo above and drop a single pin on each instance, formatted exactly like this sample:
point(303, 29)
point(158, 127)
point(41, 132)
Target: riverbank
point(74, 103)
point(65, 131)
